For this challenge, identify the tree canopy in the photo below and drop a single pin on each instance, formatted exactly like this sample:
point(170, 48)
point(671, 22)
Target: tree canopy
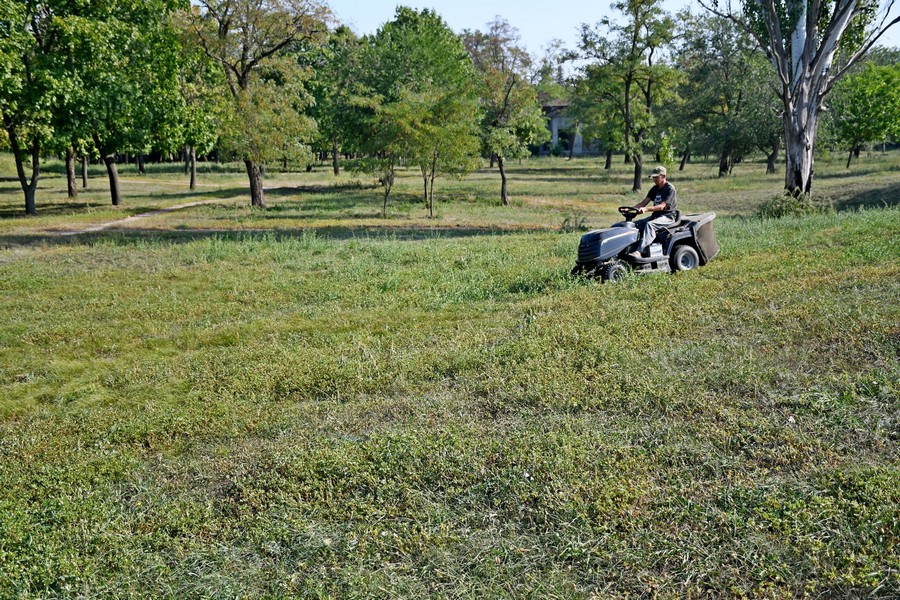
point(511, 114)
point(262, 81)
point(629, 72)
point(810, 45)
point(415, 100)
point(249, 40)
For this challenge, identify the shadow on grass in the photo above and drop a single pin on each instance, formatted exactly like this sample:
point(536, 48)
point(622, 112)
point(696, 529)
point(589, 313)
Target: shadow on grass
point(567, 179)
point(197, 195)
point(18, 212)
point(138, 237)
point(13, 211)
point(856, 172)
point(873, 198)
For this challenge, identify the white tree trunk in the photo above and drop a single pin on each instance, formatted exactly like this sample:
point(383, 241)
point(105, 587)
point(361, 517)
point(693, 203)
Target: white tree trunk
point(800, 141)
point(805, 69)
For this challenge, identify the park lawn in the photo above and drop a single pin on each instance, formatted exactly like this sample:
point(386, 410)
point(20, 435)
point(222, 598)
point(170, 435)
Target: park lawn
point(237, 403)
point(547, 194)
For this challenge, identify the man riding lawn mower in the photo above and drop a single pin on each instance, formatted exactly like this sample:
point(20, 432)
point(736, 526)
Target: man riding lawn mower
point(667, 241)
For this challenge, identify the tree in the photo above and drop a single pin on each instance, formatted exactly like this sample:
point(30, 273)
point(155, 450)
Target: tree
point(727, 91)
point(866, 107)
point(811, 45)
point(248, 39)
point(199, 84)
point(512, 116)
point(27, 87)
point(415, 101)
point(333, 85)
point(124, 94)
point(595, 104)
point(629, 71)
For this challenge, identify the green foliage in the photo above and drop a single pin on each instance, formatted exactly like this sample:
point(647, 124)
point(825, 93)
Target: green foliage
point(666, 151)
point(416, 101)
point(333, 68)
point(267, 121)
point(866, 106)
point(264, 118)
point(512, 118)
point(129, 98)
point(201, 86)
point(628, 77)
point(728, 92)
point(787, 204)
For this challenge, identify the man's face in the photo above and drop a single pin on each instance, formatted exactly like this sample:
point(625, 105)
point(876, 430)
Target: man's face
point(659, 180)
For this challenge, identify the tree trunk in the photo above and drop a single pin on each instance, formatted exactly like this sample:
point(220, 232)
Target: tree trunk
point(638, 171)
point(425, 182)
point(608, 165)
point(771, 159)
point(685, 158)
point(254, 173)
point(28, 187)
point(723, 163)
point(504, 189)
point(187, 160)
point(335, 157)
point(140, 163)
point(193, 158)
point(800, 141)
point(431, 191)
point(70, 173)
point(112, 170)
point(388, 182)
point(493, 159)
point(84, 172)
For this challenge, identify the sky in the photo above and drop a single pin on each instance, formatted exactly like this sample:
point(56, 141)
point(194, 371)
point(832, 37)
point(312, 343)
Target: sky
point(538, 21)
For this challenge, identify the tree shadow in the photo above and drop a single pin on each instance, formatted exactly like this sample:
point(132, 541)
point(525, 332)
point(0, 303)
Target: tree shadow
point(884, 197)
point(18, 212)
point(856, 172)
point(139, 237)
point(196, 195)
point(566, 179)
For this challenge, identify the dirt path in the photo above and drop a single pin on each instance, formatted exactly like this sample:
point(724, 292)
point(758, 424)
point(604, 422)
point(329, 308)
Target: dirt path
point(133, 218)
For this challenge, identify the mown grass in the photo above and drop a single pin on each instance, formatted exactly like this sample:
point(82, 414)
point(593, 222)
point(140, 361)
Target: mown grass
point(404, 409)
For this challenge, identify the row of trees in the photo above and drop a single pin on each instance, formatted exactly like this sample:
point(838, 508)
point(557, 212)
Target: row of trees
point(735, 82)
point(274, 80)
point(258, 81)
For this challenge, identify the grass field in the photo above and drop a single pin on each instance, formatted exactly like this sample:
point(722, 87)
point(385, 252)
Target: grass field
point(314, 401)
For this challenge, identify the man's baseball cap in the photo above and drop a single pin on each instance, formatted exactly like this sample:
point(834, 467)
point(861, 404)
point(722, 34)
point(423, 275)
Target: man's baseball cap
point(658, 171)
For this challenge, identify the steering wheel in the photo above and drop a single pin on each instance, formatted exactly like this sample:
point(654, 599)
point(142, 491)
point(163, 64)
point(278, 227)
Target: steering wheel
point(629, 212)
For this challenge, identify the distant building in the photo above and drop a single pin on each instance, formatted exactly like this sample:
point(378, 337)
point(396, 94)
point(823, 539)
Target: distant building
point(561, 132)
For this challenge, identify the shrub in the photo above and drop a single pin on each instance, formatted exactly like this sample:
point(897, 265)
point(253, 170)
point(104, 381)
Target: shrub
point(787, 204)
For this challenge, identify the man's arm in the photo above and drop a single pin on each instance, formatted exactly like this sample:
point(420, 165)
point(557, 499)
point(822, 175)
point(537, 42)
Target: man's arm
point(642, 209)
